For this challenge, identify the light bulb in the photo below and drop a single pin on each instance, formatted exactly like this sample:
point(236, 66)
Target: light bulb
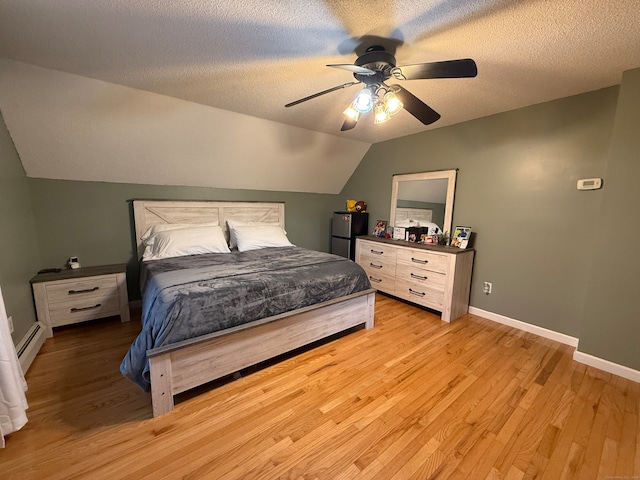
point(381, 114)
point(352, 113)
point(393, 103)
point(363, 101)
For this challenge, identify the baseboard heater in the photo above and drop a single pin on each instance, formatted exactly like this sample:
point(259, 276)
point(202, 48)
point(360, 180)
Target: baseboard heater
point(30, 344)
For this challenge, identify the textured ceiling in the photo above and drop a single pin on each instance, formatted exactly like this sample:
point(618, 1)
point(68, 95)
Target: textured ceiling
point(254, 56)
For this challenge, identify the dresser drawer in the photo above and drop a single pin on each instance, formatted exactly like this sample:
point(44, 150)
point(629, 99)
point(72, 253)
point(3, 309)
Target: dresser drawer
point(379, 251)
point(420, 294)
point(424, 260)
point(420, 276)
point(378, 265)
point(380, 281)
point(72, 291)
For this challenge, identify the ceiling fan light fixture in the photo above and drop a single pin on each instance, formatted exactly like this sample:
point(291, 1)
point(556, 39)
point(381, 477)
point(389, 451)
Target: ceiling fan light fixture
point(375, 67)
point(380, 113)
point(393, 103)
point(352, 113)
point(363, 103)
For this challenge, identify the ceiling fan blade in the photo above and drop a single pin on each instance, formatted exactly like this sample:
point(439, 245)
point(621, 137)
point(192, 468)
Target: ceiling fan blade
point(344, 85)
point(416, 107)
point(353, 68)
point(348, 124)
point(462, 68)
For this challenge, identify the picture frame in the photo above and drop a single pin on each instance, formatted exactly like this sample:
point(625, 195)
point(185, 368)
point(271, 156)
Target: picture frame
point(398, 233)
point(460, 237)
point(380, 228)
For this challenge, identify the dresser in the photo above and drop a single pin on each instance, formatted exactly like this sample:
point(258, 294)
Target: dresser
point(433, 276)
point(73, 296)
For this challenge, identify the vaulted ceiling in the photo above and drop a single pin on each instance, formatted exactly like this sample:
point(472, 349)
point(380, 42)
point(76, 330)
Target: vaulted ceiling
point(214, 65)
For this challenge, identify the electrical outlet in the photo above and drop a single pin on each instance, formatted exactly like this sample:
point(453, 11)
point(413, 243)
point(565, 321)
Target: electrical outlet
point(488, 286)
point(10, 319)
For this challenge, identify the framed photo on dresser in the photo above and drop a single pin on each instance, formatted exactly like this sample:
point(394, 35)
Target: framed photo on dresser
point(398, 233)
point(460, 237)
point(380, 228)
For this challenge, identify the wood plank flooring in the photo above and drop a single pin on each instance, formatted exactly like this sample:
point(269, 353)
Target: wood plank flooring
point(413, 398)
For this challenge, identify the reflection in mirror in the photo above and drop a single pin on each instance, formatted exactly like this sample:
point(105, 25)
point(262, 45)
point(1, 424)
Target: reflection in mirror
point(423, 199)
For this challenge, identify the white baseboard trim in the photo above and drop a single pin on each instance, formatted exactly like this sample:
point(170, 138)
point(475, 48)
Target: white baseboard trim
point(596, 362)
point(527, 327)
point(29, 346)
point(607, 366)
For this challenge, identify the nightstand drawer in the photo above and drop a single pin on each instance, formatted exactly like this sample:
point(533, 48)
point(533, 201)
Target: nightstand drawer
point(72, 291)
point(81, 310)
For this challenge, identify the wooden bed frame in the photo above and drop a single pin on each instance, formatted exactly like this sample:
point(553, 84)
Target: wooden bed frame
point(181, 366)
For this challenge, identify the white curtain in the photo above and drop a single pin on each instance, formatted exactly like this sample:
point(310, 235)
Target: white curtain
point(13, 402)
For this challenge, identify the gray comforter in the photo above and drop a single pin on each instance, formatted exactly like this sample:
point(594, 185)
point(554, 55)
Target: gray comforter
point(185, 297)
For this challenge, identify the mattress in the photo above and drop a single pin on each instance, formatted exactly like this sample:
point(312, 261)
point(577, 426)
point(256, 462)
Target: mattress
point(186, 297)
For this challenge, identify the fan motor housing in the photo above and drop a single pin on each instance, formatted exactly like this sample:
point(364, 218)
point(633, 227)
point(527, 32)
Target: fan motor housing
point(377, 59)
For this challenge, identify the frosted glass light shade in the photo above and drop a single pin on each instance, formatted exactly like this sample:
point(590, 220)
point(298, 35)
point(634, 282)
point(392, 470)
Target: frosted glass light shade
point(364, 101)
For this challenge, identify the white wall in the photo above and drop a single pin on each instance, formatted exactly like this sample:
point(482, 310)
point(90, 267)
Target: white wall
point(75, 128)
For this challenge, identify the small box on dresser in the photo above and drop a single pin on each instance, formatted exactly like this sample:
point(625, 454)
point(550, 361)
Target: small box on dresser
point(72, 296)
point(433, 276)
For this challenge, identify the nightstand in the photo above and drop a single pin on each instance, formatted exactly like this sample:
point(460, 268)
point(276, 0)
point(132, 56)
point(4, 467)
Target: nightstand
point(73, 296)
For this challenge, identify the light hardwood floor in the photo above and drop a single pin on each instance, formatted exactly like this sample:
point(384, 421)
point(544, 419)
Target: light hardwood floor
point(413, 398)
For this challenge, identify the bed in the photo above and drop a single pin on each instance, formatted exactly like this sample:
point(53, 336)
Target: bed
point(189, 337)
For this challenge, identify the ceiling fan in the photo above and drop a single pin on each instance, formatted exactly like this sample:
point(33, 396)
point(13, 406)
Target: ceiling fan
point(374, 67)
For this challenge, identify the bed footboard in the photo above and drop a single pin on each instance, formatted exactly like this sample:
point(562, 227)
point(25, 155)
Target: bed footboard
point(185, 365)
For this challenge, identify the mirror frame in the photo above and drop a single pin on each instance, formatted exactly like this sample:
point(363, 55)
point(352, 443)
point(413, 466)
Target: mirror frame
point(449, 175)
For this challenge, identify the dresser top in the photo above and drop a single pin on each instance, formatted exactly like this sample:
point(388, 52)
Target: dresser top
point(419, 246)
point(68, 273)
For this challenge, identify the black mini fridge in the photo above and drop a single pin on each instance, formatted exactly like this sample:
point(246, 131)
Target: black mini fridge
point(345, 227)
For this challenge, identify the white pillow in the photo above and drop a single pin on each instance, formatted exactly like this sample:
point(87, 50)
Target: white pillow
point(408, 223)
point(232, 224)
point(260, 236)
point(148, 237)
point(433, 228)
point(186, 241)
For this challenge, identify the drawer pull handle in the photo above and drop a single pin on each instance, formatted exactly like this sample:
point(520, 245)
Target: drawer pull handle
point(373, 265)
point(74, 292)
point(419, 277)
point(417, 260)
point(376, 252)
point(415, 292)
point(374, 279)
point(82, 309)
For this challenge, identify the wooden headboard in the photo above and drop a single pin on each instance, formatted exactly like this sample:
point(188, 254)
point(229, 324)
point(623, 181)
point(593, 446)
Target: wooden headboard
point(148, 213)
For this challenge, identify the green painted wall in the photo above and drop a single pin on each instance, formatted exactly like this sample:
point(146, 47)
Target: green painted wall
point(94, 221)
point(20, 259)
point(516, 187)
point(611, 326)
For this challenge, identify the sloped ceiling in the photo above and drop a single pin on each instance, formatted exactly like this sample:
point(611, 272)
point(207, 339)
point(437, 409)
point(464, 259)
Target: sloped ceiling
point(162, 83)
point(70, 127)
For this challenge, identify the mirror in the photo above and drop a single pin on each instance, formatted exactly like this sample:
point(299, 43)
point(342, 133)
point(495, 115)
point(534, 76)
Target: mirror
point(426, 197)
